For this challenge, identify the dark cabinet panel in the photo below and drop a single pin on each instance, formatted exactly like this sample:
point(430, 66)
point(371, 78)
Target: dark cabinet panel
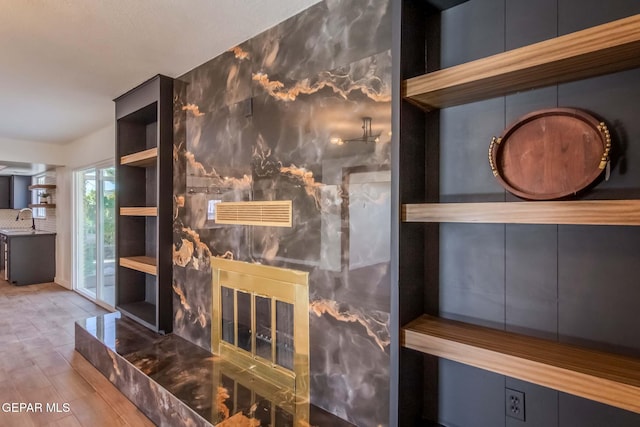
point(31, 259)
point(14, 192)
point(5, 182)
point(19, 195)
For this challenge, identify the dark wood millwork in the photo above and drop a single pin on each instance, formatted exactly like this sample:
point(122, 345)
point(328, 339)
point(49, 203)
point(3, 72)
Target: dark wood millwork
point(144, 147)
point(525, 276)
point(409, 186)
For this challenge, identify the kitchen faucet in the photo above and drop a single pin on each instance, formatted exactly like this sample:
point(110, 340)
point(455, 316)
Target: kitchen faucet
point(33, 221)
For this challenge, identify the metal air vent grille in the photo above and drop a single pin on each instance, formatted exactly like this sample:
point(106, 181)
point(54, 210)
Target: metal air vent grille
point(267, 213)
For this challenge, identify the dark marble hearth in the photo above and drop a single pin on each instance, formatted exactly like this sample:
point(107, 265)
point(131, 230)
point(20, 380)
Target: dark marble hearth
point(175, 382)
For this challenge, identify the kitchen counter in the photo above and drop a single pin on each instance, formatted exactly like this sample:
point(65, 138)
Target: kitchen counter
point(11, 232)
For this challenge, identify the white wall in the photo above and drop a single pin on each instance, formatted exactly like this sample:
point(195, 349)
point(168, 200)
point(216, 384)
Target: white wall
point(93, 148)
point(32, 152)
point(63, 227)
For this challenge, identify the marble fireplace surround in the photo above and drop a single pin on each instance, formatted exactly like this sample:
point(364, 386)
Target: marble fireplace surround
point(280, 117)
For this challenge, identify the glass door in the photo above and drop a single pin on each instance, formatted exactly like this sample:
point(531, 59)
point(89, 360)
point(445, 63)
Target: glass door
point(94, 225)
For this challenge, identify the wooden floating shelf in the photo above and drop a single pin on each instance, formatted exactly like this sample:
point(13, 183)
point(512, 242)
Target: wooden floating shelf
point(43, 205)
point(603, 377)
point(42, 187)
point(585, 212)
point(602, 49)
point(146, 264)
point(144, 158)
point(139, 211)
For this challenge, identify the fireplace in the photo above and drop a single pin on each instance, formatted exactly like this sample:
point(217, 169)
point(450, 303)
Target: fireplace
point(260, 322)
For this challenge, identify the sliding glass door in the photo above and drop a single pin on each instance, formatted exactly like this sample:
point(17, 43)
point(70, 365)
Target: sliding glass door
point(94, 231)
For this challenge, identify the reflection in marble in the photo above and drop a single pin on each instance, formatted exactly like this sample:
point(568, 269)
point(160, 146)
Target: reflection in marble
point(327, 36)
point(176, 383)
point(192, 305)
point(374, 323)
point(280, 117)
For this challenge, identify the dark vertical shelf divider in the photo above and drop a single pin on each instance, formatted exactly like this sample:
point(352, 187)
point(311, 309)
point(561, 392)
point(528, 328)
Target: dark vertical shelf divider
point(144, 145)
point(411, 187)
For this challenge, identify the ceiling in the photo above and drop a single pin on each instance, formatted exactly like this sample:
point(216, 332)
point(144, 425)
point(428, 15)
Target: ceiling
point(64, 61)
point(20, 168)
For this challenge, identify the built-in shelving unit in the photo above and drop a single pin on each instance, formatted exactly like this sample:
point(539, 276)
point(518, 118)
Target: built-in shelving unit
point(598, 50)
point(585, 212)
point(599, 376)
point(144, 201)
point(603, 377)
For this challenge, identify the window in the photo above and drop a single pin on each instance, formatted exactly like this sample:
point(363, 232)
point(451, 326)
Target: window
point(94, 232)
point(35, 196)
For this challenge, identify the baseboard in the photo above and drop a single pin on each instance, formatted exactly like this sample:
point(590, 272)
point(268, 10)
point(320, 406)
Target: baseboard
point(62, 282)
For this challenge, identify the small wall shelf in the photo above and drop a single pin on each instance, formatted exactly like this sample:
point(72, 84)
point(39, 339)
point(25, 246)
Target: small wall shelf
point(595, 375)
point(597, 50)
point(144, 158)
point(42, 187)
point(585, 212)
point(43, 205)
point(139, 211)
point(145, 264)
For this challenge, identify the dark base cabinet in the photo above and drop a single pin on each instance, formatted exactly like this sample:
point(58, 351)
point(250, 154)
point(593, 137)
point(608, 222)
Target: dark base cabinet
point(30, 258)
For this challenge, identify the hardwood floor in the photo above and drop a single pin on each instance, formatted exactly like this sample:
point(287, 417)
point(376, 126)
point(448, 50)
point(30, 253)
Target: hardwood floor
point(38, 363)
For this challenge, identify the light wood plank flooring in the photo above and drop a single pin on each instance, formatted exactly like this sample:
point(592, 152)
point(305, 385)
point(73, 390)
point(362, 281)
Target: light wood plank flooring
point(38, 363)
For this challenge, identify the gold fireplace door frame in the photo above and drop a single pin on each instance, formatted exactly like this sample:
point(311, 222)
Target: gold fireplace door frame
point(278, 284)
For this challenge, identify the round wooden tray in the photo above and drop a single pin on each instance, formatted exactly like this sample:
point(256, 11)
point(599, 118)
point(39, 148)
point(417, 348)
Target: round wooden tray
point(549, 154)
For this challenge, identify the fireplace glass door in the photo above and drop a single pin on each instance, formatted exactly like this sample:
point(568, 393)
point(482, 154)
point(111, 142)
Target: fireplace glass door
point(261, 321)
